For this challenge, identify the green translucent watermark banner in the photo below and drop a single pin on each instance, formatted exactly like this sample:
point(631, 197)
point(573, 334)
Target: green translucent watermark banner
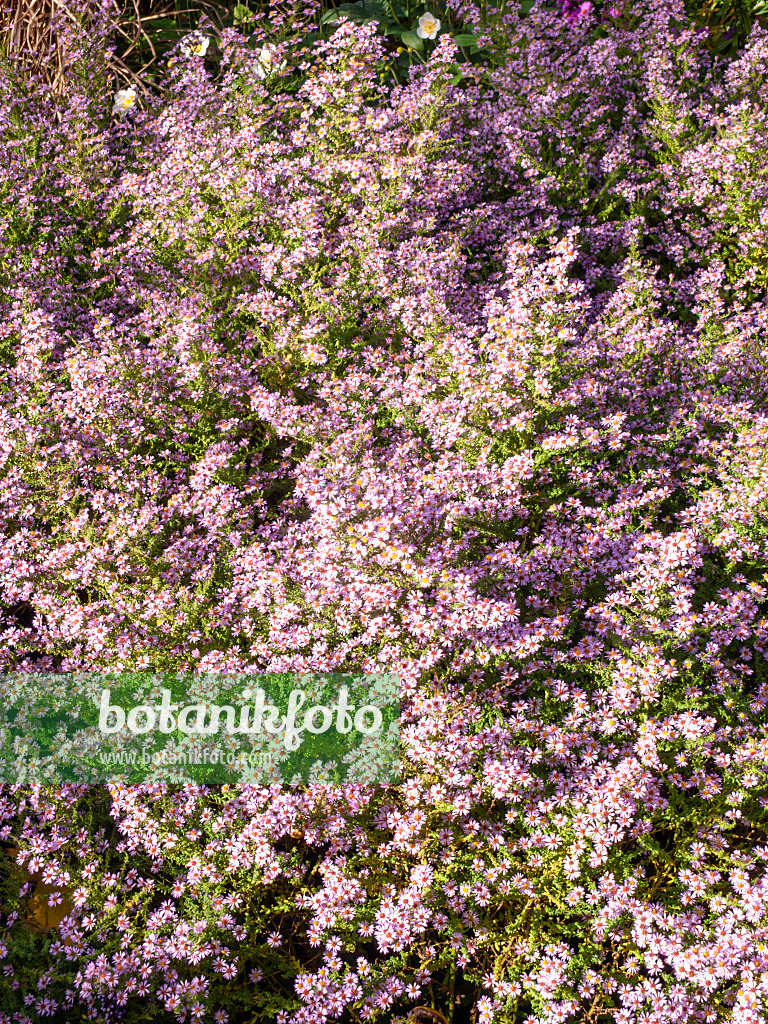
point(139, 727)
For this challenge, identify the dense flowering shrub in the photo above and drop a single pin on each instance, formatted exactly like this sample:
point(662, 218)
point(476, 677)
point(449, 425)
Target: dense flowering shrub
point(461, 381)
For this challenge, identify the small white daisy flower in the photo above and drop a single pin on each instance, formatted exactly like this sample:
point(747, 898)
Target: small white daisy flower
point(266, 56)
point(429, 26)
point(195, 46)
point(124, 100)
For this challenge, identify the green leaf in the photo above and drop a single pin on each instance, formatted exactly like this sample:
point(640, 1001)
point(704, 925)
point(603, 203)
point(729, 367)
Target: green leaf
point(241, 14)
point(525, 6)
point(396, 9)
point(411, 39)
point(377, 9)
point(465, 40)
point(456, 79)
point(354, 12)
point(396, 31)
point(243, 85)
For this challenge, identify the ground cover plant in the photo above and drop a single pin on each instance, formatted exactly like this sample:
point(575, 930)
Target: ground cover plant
point(463, 377)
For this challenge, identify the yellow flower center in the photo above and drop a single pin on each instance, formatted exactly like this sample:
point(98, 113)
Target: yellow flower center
point(127, 101)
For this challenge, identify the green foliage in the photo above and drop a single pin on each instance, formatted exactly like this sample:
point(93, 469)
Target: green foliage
point(729, 21)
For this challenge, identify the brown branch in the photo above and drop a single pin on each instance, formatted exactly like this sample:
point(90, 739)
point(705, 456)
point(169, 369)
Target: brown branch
point(435, 1014)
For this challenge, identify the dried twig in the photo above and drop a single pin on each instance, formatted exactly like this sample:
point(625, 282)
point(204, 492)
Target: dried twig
point(429, 1012)
point(27, 37)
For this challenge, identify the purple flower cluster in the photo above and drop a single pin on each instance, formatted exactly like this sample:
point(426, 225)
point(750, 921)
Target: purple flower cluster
point(576, 11)
point(462, 383)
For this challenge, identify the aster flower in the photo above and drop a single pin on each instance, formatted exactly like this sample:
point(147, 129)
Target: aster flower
point(429, 26)
point(582, 11)
point(405, 535)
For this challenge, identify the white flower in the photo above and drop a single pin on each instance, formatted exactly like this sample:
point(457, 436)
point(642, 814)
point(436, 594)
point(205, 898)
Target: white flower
point(429, 26)
point(196, 46)
point(266, 56)
point(124, 100)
